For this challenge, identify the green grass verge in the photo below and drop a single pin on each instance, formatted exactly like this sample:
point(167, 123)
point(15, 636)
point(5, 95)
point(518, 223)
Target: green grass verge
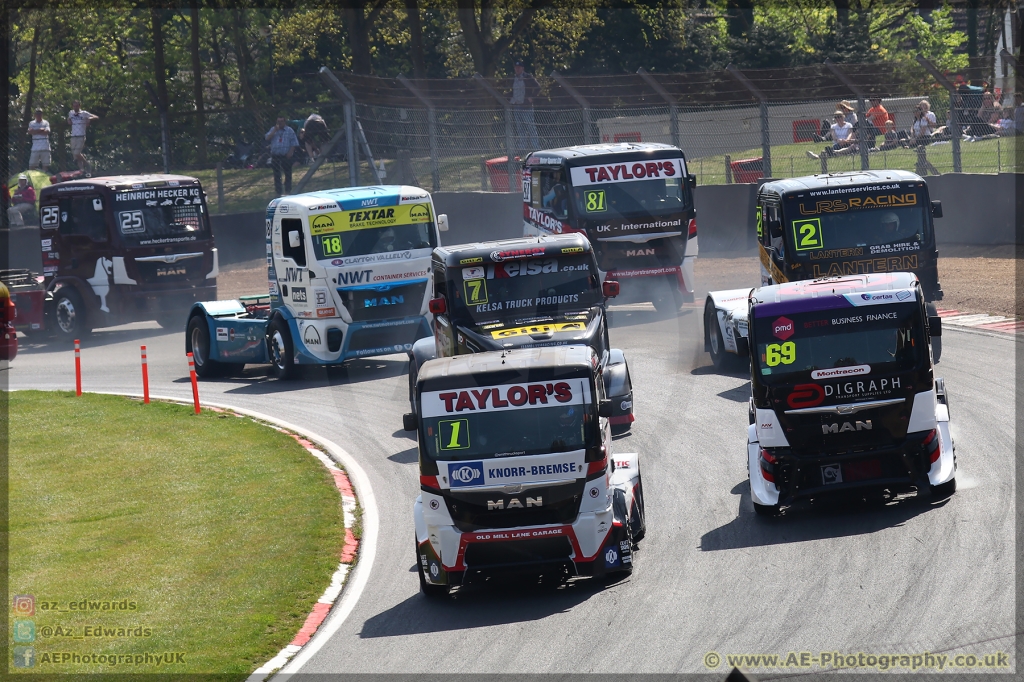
point(222, 531)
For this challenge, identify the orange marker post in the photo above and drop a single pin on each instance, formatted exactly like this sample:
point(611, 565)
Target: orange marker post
point(78, 368)
point(192, 375)
point(145, 378)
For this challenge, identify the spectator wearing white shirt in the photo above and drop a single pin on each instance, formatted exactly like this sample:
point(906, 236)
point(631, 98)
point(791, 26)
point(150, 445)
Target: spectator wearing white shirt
point(844, 141)
point(79, 120)
point(39, 129)
point(924, 124)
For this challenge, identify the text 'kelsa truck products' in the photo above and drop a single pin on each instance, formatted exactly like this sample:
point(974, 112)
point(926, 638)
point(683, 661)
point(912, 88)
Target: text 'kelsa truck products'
point(348, 272)
point(633, 201)
point(843, 398)
point(115, 250)
point(524, 293)
point(516, 475)
point(854, 223)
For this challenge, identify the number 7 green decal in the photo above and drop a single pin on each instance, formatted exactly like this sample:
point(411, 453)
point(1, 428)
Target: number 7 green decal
point(807, 234)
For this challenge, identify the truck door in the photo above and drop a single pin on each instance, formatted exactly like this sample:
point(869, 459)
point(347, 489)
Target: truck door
point(444, 334)
point(291, 271)
point(771, 235)
point(84, 246)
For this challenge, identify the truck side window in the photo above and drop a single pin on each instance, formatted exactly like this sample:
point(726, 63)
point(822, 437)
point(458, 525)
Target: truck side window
point(298, 253)
point(79, 217)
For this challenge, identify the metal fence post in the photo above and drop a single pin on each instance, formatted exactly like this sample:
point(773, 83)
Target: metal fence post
point(862, 129)
point(766, 141)
point(220, 187)
point(673, 110)
point(588, 132)
point(431, 132)
point(507, 109)
point(954, 110)
point(349, 107)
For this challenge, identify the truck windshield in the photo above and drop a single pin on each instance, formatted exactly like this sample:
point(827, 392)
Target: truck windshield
point(392, 229)
point(168, 220)
point(508, 420)
point(890, 222)
point(628, 199)
point(839, 343)
point(525, 288)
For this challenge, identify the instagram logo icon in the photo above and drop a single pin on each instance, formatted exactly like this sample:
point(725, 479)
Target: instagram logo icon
point(24, 605)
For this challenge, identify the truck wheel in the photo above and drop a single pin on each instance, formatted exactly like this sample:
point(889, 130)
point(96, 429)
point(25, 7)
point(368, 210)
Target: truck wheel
point(413, 373)
point(723, 359)
point(69, 314)
point(280, 349)
point(197, 342)
point(667, 298)
point(936, 340)
point(429, 591)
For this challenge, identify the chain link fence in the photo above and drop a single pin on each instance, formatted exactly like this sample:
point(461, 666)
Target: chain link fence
point(458, 134)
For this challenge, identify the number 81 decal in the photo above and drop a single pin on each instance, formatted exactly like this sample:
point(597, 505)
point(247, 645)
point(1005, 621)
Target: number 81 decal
point(774, 354)
point(807, 234)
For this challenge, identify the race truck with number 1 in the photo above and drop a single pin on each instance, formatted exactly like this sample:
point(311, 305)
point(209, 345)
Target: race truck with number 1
point(844, 400)
point(516, 473)
point(853, 223)
point(348, 273)
point(634, 202)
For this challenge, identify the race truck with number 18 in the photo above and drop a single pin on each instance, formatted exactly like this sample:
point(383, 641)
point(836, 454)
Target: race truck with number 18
point(348, 273)
point(516, 473)
point(854, 223)
point(634, 202)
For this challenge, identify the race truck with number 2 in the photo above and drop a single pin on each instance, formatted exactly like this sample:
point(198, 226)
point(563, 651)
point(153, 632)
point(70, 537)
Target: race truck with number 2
point(524, 293)
point(634, 202)
point(844, 400)
point(348, 273)
point(853, 223)
point(516, 473)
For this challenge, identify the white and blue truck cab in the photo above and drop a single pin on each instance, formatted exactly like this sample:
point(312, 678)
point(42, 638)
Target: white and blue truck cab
point(348, 273)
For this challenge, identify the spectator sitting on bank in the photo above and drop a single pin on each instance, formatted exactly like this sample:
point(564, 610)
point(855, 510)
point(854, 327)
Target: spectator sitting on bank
point(1005, 123)
point(314, 135)
point(923, 129)
point(892, 138)
point(23, 199)
point(846, 109)
point(878, 116)
point(844, 140)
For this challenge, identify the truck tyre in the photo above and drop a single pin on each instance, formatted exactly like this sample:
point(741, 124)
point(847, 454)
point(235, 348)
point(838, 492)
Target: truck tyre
point(197, 342)
point(936, 340)
point(667, 298)
point(280, 349)
point(414, 371)
point(429, 591)
point(722, 359)
point(70, 319)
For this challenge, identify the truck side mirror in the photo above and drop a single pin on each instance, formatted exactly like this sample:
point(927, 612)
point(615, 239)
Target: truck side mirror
point(691, 180)
point(775, 229)
point(442, 222)
point(438, 306)
point(604, 408)
point(935, 326)
point(410, 422)
point(610, 288)
point(936, 209)
point(97, 204)
point(294, 240)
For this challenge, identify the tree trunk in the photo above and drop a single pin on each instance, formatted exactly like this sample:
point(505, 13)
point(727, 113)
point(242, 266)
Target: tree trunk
point(740, 17)
point(218, 65)
point(358, 36)
point(415, 38)
point(197, 79)
point(30, 95)
point(157, 14)
point(486, 50)
point(242, 54)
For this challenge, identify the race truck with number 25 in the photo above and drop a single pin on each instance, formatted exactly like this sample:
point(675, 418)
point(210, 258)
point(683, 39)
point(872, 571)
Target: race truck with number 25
point(524, 293)
point(516, 473)
point(348, 274)
point(843, 396)
point(634, 202)
point(853, 223)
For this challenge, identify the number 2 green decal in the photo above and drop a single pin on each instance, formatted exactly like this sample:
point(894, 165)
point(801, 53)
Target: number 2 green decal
point(595, 199)
point(758, 215)
point(807, 234)
point(453, 433)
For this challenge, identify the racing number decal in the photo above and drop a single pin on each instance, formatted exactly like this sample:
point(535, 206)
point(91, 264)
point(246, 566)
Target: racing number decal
point(131, 222)
point(774, 354)
point(595, 200)
point(331, 245)
point(807, 234)
point(476, 291)
point(453, 434)
point(757, 213)
point(49, 215)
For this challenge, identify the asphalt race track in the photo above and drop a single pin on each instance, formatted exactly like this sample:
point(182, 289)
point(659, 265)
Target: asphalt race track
point(908, 577)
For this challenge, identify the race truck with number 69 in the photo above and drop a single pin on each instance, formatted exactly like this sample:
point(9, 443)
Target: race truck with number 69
point(854, 223)
point(348, 272)
point(843, 395)
point(516, 473)
point(634, 201)
point(524, 293)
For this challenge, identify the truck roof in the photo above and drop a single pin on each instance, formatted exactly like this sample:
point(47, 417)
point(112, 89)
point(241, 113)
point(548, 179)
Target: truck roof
point(846, 179)
point(475, 364)
point(584, 151)
point(830, 292)
point(116, 182)
point(512, 249)
point(350, 198)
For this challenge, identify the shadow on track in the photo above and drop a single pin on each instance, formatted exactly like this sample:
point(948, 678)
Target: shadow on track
point(410, 456)
point(632, 318)
point(37, 345)
point(256, 379)
point(822, 521)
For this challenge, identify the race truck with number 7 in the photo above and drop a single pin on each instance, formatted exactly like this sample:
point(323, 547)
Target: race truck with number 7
point(633, 201)
point(844, 400)
point(348, 273)
point(854, 223)
point(516, 473)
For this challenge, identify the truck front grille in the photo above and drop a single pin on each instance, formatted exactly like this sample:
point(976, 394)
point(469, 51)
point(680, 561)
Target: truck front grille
point(384, 302)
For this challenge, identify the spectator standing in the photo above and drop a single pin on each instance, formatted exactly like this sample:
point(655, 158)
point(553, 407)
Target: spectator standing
point(79, 120)
point(524, 89)
point(283, 144)
point(23, 199)
point(39, 129)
